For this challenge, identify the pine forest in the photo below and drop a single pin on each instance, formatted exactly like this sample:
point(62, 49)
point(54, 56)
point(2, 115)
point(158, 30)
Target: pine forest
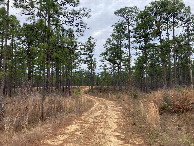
point(135, 88)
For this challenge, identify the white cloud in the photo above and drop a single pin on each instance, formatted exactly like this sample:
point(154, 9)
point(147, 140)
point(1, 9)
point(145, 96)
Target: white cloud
point(101, 32)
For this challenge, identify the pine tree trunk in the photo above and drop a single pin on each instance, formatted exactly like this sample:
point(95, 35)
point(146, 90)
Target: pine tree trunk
point(119, 68)
point(70, 76)
point(69, 86)
point(146, 71)
point(190, 53)
point(129, 59)
point(169, 57)
point(29, 65)
point(11, 70)
point(4, 64)
point(59, 79)
point(180, 75)
point(44, 81)
point(114, 77)
point(92, 81)
point(57, 76)
point(153, 78)
point(63, 80)
point(66, 80)
point(174, 49)
point(43, 93)
point(2, 48)
point(163, 62)
point(52, 74)
point(48, 56)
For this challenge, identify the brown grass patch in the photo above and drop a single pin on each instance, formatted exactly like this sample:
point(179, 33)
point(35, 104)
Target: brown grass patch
point(174, 100)
point(22, 118)
point(163, 117)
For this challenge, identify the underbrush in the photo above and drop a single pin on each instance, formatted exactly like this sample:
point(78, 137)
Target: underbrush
point(176, 112)
point(23, 113)
point(174, 101)
point(163, 117)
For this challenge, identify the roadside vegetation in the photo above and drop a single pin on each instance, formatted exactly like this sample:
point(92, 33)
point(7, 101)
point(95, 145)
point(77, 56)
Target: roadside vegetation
point(162, 117)
point(22, 123)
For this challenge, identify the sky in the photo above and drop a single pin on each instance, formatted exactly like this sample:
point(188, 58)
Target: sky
point(102, 18)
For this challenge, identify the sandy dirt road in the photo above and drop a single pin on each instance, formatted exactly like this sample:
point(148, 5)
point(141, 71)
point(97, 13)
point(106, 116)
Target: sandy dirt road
point(100, 126)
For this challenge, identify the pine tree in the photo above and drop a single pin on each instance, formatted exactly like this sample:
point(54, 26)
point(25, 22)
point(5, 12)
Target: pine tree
point(89, 58)
point(128, 15)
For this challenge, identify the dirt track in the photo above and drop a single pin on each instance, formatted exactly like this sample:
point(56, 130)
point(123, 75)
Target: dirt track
point(100, 126)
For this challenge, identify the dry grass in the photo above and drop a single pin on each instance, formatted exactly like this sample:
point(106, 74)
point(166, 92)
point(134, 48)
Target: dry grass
point(176, 111)
point(174, 100)
point(163, 117)
point(152, 116)
point(22, 116)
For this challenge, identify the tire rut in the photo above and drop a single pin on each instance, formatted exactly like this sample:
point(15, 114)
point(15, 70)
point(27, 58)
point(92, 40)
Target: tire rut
point(97, 127)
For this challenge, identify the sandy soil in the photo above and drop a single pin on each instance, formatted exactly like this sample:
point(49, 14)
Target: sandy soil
point(100, 126)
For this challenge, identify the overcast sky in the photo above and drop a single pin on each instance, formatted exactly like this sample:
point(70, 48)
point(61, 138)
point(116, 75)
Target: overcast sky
point(102, 18)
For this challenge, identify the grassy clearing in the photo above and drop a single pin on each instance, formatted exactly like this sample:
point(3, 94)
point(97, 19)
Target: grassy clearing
point(22, 118)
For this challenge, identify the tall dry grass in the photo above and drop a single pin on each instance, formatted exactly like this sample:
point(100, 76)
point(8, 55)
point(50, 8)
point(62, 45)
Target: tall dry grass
point(23, 112)
point(163, 117)
point(178, 100)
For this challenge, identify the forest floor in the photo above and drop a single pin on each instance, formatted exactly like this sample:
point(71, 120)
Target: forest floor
point(117, 119)
point(111, 118)
point(103, 125)
point(158, 118)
